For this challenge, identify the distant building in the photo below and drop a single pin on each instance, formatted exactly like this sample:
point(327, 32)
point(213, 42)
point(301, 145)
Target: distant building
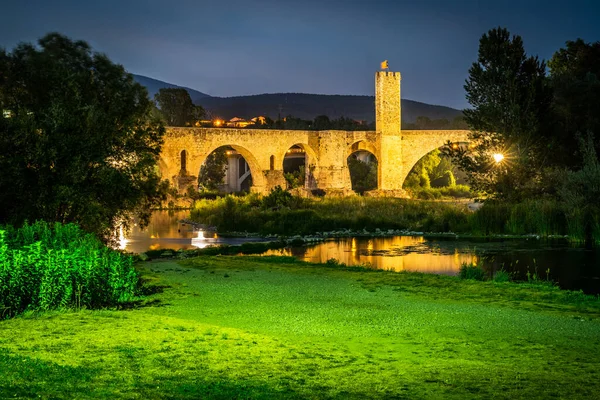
point(237, 122)
point(259, 120)
point(204, 122)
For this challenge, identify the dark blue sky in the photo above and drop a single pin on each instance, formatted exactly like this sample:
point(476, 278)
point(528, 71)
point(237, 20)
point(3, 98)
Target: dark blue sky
point(228, 48)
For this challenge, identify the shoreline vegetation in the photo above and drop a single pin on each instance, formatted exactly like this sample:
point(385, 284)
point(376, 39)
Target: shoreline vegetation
point(314, 331)
point(280, 213)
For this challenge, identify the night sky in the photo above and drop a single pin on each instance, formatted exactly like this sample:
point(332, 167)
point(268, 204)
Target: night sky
point(229, 48)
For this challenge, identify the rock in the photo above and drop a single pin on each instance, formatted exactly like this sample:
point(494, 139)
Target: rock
point(143, 257)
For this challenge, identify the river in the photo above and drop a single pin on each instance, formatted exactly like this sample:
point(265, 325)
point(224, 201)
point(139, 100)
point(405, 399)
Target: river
point(572, 267)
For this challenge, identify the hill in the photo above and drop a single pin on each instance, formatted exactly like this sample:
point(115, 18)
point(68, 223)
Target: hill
point(154, 85)
point(308, 106)
point(300, 105)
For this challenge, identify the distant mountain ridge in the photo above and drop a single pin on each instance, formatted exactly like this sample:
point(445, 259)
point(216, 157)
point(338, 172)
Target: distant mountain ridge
point(300, 105)
point(154, 85)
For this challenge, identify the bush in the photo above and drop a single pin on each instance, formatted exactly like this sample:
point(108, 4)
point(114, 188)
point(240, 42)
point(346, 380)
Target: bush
point(471, 271)
point(502, 276)
point(437, 193)
point(44, 267)
point(278, 198)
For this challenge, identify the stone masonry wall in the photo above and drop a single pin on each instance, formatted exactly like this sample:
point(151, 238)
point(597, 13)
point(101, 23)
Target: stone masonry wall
point(326, 151)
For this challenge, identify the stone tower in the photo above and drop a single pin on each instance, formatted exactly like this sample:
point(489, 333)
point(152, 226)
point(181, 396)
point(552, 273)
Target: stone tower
point(387, 102)
point(387, 124)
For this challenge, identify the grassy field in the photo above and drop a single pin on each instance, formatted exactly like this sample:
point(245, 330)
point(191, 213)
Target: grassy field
point(252, 327)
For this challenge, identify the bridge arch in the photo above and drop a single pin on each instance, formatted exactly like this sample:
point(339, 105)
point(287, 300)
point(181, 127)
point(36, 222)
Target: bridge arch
point(363, 171)
point(256, 171)
point(310, 162)
point(433, 173)
point(361, 145)
point(417, 144)
point(360, 177)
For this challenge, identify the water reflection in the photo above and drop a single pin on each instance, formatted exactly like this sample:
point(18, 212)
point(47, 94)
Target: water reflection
point(572, 267)
point(165, 231)
point(122, 239)
point(400, 253)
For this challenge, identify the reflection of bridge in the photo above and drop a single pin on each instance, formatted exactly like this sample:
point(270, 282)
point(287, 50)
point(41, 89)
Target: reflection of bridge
point(326, 152)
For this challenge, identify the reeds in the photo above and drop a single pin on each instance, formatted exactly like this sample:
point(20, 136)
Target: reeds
point(44, 267)
point(543, 217)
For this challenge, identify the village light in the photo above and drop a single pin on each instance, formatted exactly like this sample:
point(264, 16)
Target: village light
point(498, 157)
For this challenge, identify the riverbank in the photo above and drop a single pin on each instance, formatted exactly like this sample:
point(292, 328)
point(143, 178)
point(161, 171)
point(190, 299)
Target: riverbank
point(256, 327)
point(282, 214)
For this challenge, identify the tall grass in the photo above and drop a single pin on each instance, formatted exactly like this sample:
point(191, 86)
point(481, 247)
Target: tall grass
point(305, 216)
point(44, 267)
point(542, 217)
point(293, 215)
point(438, 193)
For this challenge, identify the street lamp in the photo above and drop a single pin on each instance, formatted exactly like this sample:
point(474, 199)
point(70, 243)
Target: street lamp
point(498, 157)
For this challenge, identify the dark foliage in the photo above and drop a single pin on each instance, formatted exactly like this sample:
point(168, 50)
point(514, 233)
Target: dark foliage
point(177, 108)
point(213, 170)
point(77, 143)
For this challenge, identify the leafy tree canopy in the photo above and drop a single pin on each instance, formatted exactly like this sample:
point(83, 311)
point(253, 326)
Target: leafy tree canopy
point(363, 175)
point(177, 108)
point(575, 79)
point(213, 170)
point(76, 141)
point(510, 98)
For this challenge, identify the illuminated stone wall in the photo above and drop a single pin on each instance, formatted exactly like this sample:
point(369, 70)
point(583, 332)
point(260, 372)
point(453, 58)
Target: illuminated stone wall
point(326, 151)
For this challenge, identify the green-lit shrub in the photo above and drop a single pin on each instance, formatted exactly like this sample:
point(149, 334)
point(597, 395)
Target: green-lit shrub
point(502, 276)
point(277, 198)
point(436, 193)
point(471, 271)
point(44, 267)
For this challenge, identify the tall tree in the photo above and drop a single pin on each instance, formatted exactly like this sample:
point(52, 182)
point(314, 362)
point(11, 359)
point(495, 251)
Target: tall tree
point(213, 170)
point(575, 78)
point(177, 108)
point(510, 99)
point(77, 143)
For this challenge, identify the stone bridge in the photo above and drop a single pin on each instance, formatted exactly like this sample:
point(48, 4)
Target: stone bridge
point(326, 152)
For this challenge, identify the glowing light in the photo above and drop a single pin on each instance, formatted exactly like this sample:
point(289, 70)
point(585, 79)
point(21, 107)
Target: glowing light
point(122, 239)
point(218, 122)
point(455, 146)
point(200, 240)
point(498, 157)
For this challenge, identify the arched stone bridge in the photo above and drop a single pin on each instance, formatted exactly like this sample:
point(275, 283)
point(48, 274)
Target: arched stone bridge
point(326, 152)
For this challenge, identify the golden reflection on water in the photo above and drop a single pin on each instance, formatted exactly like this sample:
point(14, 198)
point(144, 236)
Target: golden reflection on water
point(401, 253)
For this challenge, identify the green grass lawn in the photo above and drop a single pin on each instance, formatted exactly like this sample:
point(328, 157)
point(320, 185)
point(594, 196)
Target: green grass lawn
point(252, 327)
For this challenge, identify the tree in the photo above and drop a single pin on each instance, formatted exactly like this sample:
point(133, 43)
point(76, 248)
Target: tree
point(177, 108)
point(79, 144)
point(213, 170)
point(321, 123)
point(431, 171)
point(363, 175)
point(510, 98)
point(575, 79)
